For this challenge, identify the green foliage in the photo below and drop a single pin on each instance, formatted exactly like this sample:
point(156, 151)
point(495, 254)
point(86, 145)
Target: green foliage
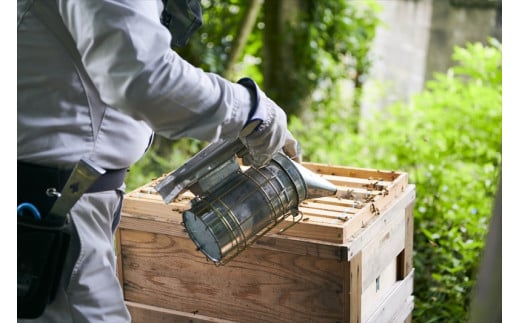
point(333, 44)
point(339, 32)
point(449, 141)
point(210, 46)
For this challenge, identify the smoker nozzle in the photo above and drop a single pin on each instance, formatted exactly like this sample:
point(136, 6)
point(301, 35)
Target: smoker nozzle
point(316, 186)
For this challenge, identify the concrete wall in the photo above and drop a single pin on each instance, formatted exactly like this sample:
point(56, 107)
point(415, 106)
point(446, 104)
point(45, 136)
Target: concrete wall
point(399, 52)
point(456, 25)
point(417, 39)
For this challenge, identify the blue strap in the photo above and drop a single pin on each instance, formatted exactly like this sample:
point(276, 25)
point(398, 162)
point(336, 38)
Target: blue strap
point(28, 209)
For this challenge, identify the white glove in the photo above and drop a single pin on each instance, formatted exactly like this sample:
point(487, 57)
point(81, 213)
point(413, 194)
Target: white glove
point(266, 133)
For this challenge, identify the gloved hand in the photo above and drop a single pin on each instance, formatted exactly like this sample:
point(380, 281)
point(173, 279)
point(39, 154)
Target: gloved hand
point(266, 133)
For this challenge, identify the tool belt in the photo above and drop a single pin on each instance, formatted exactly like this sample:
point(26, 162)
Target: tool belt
point(34, 180)
point(42, 246)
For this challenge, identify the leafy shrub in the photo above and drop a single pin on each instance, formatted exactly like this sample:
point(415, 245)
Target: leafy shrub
point(448, 138)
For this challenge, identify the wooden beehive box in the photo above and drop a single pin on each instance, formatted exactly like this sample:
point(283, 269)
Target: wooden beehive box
point(348, 260)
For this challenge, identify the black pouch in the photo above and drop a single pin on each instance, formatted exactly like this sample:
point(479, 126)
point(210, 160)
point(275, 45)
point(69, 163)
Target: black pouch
point(44, 239)
point(41, 255)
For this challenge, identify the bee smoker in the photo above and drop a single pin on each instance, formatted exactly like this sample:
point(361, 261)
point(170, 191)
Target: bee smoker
point(232, 208)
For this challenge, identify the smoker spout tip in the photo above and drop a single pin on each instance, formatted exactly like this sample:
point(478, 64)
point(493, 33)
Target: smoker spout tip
point(316, 185)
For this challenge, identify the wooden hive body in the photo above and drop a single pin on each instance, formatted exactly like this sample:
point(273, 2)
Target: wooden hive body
point(348, 260)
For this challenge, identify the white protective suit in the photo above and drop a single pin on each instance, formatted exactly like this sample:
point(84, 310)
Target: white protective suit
point(126, 52)
point(144, 87)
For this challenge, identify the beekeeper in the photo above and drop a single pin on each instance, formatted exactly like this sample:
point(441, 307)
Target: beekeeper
point(96, 80)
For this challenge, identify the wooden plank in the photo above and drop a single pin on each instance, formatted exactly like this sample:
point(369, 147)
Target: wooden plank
point(383, 250)
point(405, 259)
point(353, 290)
point(142, 313)
point(338, 208)
point(313, 227)
point(353, 171)
point(119, 258)
point(316, 229)
point(272, 240)
point(393, 302)
point(359, 195)
point(363, 217)
point(166, 271)
point(366, 213)
point(364, 183)
point(337, 232)
point(326, 202)
point(303, 247)
point(157, 209)
point(404, 313)
point(130, 221)
point(373, 295)
point(373, 228)
point(323, 216)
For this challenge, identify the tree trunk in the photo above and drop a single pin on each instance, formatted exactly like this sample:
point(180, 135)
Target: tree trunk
point(280, 56)
point(244, 30)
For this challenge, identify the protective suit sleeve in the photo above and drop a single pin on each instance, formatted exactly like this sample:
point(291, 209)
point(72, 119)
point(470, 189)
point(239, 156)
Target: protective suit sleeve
point(126, 52)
